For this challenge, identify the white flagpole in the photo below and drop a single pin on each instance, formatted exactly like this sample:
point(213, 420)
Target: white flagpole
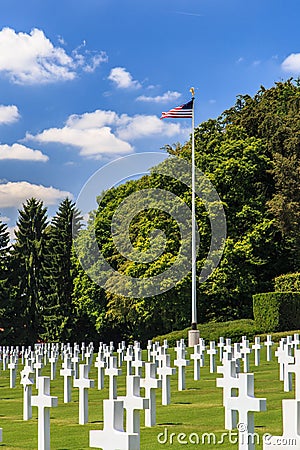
point(193, 337)
point(194, 256)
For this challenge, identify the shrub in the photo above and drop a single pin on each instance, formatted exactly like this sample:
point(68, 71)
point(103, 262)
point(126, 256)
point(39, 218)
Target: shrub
point(289, 282)
point(276, 311)
point(211, 331)
point(276, 337)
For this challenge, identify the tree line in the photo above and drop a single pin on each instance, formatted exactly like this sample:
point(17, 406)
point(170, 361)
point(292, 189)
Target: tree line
point(251, 154)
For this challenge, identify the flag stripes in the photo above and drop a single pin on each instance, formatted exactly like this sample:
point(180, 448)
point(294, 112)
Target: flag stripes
point(180, 112)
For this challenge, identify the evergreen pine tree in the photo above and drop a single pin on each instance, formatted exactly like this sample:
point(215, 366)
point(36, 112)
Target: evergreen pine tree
point(28, 264)
point(59, 311)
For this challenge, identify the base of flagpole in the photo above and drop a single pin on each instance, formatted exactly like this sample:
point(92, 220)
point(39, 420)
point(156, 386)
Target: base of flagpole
point(193, 336)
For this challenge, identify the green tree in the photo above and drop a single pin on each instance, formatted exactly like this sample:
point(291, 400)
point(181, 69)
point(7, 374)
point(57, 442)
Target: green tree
point(274, 116)
point(59, 311)
point(89, 300)
point(29, 273)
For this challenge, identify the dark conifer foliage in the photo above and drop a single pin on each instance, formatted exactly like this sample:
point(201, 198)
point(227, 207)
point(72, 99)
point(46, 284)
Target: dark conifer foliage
point(29, 273)
point(59, 312)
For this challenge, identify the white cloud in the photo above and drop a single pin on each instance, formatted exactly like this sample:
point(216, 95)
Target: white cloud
point(95, 61)
point(140, 126)
point(92, 142)
point(165, 98)
point(9, 114)
point(21, 153)
point(292, 63)
point(32, 58)
point(104, 133)
point(96, 119)
point(13, 194)
point(123, 79)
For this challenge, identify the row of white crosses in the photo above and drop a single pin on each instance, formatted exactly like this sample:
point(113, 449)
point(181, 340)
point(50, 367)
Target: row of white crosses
point(113, 435)
point(159, 364)
point(244, 404)
point(240, 408)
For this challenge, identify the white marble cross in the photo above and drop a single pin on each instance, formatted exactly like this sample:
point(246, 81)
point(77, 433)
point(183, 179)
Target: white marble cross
point(197, 356)
point(129, 358)
point(245, 352)
point(12, 371)
point(107, 353)
point(82, 350)
point(268, 343)
point(228, 383)
point(165, 372)
point(67, 372)
point(75, 360)
point(46, 354)
point(38, 365)
point(113, 372)
point(22, 354)
point(27, 383)
point(256, 347)
point(120, 352)
point(5, 356)
point(212, 351)
point(88, 357)
point(161, 353)
point(113, 435)
point(246, 404)
point(137, 362)
point(221, 345)
point(181, 362)
point(284, 358)
point(166, 345)
point(228, 346)
point(293, 368)
point(44, 401)
point(53, 363)
point(83, 383)
point(149, 350)
point(133, 403)
point(237, 354)
point(150, 383)
point(100, 364)
point(154, 353)
point(202, 344)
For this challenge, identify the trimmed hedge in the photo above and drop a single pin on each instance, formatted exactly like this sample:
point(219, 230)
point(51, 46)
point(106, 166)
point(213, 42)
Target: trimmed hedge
point(276, 311)
point(289, 282)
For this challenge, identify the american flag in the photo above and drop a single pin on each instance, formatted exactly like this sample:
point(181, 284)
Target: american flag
point(180, 112)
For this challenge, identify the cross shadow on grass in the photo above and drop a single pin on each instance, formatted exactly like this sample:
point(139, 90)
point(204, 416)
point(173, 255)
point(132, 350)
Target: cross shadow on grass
point(170, 423)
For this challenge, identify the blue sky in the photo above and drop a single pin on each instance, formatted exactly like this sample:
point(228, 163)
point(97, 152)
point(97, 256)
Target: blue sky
point(83, 82)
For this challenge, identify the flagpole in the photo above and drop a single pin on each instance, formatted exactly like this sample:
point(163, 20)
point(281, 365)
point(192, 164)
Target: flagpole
point(194, 296)
point(193, 333)
point(188, 111)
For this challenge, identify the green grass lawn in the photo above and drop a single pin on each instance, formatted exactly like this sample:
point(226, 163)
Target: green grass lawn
point(198, 410)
